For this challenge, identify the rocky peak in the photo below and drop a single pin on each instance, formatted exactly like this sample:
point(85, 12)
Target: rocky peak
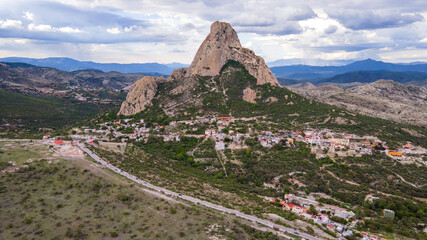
point(140, 95)
point(223, 44)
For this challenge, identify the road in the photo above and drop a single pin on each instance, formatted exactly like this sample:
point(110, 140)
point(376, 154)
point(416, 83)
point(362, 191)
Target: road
point(195, 200)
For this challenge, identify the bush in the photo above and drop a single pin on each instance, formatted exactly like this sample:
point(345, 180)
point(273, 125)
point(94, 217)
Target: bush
point(28, 220)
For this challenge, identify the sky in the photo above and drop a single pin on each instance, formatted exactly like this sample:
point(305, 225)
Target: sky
point(165, 31)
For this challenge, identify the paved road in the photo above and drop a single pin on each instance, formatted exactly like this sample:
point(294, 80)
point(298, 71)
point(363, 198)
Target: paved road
point(195, 200)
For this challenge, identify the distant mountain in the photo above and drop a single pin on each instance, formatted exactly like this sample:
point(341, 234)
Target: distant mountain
point(415, 78)
point(27, 78)
point(317, 72)
point(312, 62)
point(69, 64)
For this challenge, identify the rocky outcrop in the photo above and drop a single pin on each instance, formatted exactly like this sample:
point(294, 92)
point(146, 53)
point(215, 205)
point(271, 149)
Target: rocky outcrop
point(183, 89)
point(384, 98)
point(140, 96)
point(177, 74)
point(249, 95)
point(223, 44)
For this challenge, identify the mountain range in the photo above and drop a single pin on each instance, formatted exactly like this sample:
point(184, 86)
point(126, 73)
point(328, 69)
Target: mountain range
point(316, 72)
point(283, 68)
point(24, 77)
point(69, 64)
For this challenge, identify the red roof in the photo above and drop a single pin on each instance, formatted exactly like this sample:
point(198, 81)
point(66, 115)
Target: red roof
point(293, 205)
point(59, 141)
point(225, 117)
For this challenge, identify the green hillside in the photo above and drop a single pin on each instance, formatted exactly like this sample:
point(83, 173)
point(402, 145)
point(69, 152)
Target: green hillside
point(62, 199)
point(285, 108)
point(21, 111)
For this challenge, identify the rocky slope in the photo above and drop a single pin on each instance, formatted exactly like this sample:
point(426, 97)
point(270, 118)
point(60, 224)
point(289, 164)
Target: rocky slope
point(223, 44)
point(383, 98)
point(20, 76)
point(140, 95)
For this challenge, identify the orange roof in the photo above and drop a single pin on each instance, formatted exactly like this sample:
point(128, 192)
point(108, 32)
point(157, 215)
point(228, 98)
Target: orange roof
point(59, 141)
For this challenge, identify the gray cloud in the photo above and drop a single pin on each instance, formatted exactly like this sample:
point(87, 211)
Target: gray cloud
point(281, 27)
point(331, 29)
point(360, 20)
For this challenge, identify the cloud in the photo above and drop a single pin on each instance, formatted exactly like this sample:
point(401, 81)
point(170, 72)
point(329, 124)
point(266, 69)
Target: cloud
point(283, 29)
point(113, 30)
point(10, 24)
point(28, 16)
point(331, 29)
point(175, 28)
point(359, 20)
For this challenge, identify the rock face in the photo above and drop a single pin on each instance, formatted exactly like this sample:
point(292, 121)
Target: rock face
point(222, 44)
point(140, 96)
point(384, 98)
point(177, 74)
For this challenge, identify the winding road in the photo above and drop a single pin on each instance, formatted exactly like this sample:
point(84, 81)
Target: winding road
point(195, 200)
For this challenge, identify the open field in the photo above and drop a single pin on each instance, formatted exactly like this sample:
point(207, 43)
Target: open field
point(76, 199)
point(19, 153)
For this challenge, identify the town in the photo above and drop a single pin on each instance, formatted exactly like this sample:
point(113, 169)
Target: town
point(231, 133)
point(234, 134)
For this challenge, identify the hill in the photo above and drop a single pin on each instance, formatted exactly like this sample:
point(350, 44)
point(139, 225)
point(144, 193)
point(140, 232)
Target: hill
point(69, 64)
point(21, 76)
point(316, 72)
point(52, 198)
point(27, 114)
point(383, 98)
point(234, 91)
point(414, 78)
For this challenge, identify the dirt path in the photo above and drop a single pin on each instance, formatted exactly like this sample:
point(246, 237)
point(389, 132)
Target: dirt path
point(414, 185)
point(347, 181)
point(220, 157)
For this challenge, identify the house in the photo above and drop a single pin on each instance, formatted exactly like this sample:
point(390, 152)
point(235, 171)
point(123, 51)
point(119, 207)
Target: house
point(58, 142)
point(387, 213)
point(339, 227)
point(219, 145)
point(223, 122)
point(209, 132)
point(289, 197)
point(324, 218)
point(295, 208)
point(331, 227)
point(344, 214)
point(394, 153)
point(374, 237)
point(189, 122)
point(347, 233)
point(408, 146)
